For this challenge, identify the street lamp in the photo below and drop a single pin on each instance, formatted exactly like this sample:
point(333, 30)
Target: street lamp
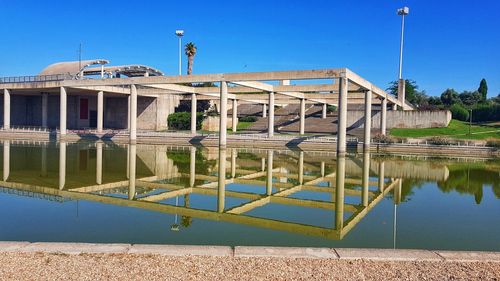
point(180, 33)
point(401, 83)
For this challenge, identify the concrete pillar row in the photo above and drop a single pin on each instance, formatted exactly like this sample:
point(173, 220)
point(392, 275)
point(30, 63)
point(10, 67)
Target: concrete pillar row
point(6, 109)
point(323, 111)
point(368, 119)
point(45, 106)
point(270, 120)
point(342, 120)
point(383, 117)
point(302, 116)
point(235, 115)
point(100, 111)
point(133, 113)
point(193, 113)
point(264, 110)
point(63, 111)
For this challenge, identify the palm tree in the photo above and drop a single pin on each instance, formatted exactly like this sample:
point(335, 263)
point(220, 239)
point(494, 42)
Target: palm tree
point(190, 50)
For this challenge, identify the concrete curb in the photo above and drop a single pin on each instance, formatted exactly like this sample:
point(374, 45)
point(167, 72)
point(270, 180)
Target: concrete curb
point(251, 252)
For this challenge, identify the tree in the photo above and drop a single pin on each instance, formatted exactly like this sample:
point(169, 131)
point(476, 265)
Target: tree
point(190, 50)
point(410, 88)
point(470, 98)
point(483, 89)
point(449, 97)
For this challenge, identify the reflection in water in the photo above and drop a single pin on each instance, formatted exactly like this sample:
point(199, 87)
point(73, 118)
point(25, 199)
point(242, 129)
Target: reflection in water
point(347, 188)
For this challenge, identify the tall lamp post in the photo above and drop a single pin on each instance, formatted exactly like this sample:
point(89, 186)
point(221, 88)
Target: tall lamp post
point(180, 33)
point(401, 83)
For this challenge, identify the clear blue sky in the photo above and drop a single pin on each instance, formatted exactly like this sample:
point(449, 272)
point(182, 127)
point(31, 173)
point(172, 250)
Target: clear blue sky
point(448, 43)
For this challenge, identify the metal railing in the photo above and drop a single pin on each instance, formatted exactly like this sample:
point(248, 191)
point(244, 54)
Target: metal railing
point(36, 78)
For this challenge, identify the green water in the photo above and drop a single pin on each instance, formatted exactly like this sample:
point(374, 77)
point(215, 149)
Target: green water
point(106, 192)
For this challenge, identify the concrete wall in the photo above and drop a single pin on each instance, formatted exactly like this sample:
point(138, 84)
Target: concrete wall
point(402, 119)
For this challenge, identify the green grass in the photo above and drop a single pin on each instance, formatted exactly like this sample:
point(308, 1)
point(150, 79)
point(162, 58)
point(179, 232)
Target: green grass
point(243, 125)
point(456, 129)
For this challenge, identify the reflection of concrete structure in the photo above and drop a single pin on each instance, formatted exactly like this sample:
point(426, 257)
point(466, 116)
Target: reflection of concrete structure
point(217, 186)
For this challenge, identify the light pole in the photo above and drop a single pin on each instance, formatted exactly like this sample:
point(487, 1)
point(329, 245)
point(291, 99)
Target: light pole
point(401, 83)
point(180, 33)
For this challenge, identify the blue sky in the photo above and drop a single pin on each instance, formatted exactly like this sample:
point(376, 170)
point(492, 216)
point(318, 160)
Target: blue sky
point(447, 43)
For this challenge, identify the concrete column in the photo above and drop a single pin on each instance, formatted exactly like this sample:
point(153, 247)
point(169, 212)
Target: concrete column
point(193, 114)
point(269, 172)
point(264, 110)
point(302, 116)
point(98, 172)
point(323, 111)
point(383, 117)
point(62, 165)
point(368, 119)
point(235, 115)
point(133, 113)
point(262, 164)
point(397, 192)
point(401, 91)
point(301, 167)
point(63, 111)
point(221, 191)
point(322, 169)
point(366, 178)
point(342, 122)
point(381, 176)
point(45, 106)
point(223, 114)
point(339, 193)
point(192, 166)
point(270, 120)
point(6, 109)
point(6, 160)
point(233, 163)
point(131, 166)
point(100, 111)
point(44, 161)
point(128, 161)
point(128, 112)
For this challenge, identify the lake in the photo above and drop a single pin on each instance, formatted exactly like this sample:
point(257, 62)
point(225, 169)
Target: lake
point(106, 192)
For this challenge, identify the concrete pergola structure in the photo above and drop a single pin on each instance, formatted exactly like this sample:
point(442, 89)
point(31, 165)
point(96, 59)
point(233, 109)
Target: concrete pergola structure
point(336, 87)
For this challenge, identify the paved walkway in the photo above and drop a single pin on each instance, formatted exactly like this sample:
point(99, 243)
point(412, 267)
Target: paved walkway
point(77, 261)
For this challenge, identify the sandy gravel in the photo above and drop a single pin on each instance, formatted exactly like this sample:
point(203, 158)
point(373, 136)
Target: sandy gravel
point(42, 266)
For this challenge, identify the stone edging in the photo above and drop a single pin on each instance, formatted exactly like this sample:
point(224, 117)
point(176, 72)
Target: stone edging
point(251, 251)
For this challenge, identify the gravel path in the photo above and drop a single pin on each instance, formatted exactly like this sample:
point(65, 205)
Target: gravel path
point(44, 266)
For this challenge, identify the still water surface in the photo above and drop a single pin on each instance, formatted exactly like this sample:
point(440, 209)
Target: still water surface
point(105, 192)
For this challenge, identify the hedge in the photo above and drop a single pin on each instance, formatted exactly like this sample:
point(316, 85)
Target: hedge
point(459, 112)
point(486, 112)
point(182, 120)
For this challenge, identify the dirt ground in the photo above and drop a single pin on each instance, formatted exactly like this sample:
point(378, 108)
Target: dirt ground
point(44, 266)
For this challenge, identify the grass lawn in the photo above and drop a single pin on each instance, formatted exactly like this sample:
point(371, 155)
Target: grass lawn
point(456, 129)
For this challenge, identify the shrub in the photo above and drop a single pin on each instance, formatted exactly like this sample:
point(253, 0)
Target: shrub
point(459, 112)
point(331, 108)
point(182, 120)
point(379, 138)
point(437, 140)
point(248, 119)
